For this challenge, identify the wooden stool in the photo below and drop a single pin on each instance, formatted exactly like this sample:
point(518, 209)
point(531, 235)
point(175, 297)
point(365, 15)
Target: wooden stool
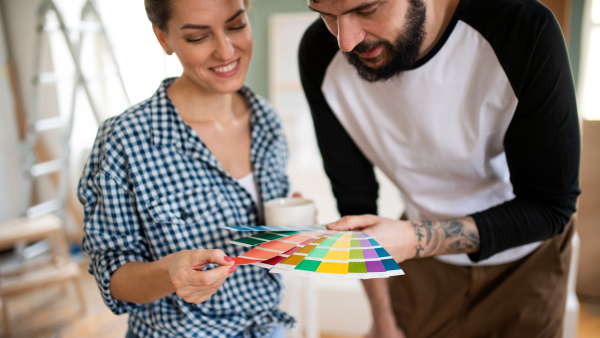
point(31, 277)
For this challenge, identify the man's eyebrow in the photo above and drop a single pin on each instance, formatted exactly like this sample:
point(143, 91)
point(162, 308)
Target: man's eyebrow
point(354, 9)
point(193, 26)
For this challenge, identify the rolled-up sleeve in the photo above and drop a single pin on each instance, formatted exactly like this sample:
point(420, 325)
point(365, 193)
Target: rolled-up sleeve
point(112, 232)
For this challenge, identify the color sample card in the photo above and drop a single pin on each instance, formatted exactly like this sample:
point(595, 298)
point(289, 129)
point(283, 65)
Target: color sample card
point(262, 238)
point(342, 255)
point(284, 256)
point(278, 228)
point(327, 254)
point(268, 250)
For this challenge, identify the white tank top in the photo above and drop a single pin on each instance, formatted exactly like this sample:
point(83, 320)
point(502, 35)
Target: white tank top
point(251, 186)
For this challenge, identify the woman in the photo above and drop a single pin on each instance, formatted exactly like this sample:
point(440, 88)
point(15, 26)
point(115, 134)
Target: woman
point(166, 176)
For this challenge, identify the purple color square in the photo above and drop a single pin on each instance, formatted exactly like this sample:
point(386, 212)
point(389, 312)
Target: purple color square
point(365, 243)
point(375, 266)
point(369, 253)
point(361, 235)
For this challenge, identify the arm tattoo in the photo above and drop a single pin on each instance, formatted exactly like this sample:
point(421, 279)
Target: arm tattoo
point(445, 237)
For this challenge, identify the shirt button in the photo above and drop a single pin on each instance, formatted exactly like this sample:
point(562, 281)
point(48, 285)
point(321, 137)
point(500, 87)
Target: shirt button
point(184, 214)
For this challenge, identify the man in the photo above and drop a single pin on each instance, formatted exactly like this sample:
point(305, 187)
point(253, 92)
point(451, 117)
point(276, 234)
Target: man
point(468, 106)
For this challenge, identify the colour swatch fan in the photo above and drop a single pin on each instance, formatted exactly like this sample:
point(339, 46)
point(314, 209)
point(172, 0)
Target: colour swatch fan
point(316, 251)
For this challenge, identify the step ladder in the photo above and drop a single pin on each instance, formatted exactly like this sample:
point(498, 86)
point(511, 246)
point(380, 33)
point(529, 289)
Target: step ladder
point(42, 224)
point(90, 23)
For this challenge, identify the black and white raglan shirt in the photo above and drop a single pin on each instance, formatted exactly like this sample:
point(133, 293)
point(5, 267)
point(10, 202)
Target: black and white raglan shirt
point(484, 125)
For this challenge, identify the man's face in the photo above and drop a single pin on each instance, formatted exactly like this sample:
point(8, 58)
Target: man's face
point(380, 38)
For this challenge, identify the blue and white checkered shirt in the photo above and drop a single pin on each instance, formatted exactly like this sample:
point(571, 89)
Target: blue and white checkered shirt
point(151, 188)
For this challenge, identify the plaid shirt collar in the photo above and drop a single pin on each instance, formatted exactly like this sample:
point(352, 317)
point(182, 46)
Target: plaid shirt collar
point(167, 128)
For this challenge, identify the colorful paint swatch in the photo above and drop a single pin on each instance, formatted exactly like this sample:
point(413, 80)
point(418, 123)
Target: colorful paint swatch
point(281, 257)
point(271, 249)
point(327, 254)
point(260, 238)
point(277, 228)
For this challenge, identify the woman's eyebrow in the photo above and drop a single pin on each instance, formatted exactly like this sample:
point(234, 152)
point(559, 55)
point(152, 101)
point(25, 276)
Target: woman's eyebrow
point(194, 26)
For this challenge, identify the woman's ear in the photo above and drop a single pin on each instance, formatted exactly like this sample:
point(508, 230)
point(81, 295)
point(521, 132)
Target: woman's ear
point(162, 39)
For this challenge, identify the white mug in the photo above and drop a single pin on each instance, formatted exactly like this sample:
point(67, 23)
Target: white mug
point(289, 211)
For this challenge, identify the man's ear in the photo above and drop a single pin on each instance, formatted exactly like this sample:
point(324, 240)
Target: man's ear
point(162, 39)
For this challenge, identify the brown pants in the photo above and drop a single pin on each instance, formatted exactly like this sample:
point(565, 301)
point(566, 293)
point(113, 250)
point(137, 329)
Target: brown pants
point(525, 298)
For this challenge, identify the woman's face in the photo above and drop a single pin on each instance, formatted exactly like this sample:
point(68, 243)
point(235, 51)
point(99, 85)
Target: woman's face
point(213, 41)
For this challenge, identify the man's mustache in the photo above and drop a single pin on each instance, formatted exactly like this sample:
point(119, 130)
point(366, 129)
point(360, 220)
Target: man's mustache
point(365, 46)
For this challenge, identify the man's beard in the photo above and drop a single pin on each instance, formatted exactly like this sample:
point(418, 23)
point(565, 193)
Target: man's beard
point(403, 53)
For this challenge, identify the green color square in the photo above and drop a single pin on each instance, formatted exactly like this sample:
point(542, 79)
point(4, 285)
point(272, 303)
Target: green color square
point(355, 244)
point(354, 236)
point(356, 254)
point(308, 265)
point(336, 235)
point(318, 253)
point(357, 267)
point(249, 241)
point(288, 233)
point(328, 243)
point(269, 237)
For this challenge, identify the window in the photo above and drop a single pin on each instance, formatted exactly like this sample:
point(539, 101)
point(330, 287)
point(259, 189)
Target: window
point(589, 86)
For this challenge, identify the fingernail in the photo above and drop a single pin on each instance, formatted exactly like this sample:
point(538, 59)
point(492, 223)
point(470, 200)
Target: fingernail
point(232, 269)
point(228, 259)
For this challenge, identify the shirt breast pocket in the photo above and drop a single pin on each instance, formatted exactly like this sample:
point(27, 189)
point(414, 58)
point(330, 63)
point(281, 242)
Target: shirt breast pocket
point(185, 220)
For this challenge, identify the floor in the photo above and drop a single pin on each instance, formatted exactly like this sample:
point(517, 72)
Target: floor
point(55, 313)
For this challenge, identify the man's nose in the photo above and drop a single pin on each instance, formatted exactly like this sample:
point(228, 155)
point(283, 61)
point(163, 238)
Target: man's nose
point(350, 33)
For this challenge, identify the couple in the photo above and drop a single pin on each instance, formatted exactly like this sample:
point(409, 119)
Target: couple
point(468, 106)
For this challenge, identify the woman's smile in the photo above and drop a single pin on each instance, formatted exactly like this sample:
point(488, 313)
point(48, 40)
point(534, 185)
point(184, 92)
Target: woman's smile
point(228, 69)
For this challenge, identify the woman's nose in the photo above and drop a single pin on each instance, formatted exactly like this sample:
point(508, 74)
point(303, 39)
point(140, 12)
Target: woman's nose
point(224, 49)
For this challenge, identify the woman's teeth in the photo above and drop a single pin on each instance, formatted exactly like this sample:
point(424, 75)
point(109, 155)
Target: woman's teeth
point(226, 69)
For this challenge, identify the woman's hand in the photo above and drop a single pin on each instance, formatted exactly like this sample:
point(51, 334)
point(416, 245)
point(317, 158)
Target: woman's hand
point(146, 282)
point(192, 284)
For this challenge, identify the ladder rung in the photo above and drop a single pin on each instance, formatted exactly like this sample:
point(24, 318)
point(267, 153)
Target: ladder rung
point(49, 123)
point(48, 77)
point(46, 168)
point(52, 78)
point(85, 26)
point(100, 76)
point(43, 208)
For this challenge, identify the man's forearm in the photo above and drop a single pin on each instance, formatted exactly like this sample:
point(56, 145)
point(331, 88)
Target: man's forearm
point(445, 237)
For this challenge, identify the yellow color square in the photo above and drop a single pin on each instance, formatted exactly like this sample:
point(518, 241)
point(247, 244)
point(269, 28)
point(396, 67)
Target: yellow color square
point(346, 236)
point(337, 268)
point(335, 255)
point(341, 244)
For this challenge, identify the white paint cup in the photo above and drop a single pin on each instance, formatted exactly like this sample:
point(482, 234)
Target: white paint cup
point(289, 211)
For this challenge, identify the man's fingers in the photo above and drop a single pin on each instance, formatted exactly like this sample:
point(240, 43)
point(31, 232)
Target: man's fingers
point(354, 222)
point(297, 195)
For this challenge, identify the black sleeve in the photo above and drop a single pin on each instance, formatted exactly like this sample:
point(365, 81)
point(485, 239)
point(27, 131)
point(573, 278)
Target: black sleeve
point(542, 143)
point(350, 172)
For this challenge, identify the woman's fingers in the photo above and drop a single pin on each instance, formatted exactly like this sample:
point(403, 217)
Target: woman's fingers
point(198, 286)
point(216, 256)
point(354, 222)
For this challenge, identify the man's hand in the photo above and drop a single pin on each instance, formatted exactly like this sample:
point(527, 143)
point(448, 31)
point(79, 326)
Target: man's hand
point(415, 239)
point(192, 284)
